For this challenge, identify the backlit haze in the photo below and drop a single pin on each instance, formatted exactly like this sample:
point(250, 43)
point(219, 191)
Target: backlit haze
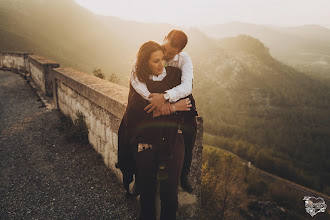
point(208, 12)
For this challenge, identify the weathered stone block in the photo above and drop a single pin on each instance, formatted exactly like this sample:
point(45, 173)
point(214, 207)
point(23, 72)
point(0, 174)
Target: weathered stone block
point(79, 107)
point(108, 136)
point(115, 123)
point(113, 158)
point(86, 104)
point(41, 72)
point(114, 141)
point(70, 92)
point(107, 119)
point(74, 104)
point(100, 147)
point(102, 131)
point(106, 153)
point(92, 122)
point(98, 129)
point(79, 98)
point(92, 139)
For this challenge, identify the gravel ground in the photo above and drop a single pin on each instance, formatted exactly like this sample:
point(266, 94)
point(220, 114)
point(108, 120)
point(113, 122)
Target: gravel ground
point(43, 176)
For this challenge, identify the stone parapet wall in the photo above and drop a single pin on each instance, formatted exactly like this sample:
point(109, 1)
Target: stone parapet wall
point(102, 104)
point(39, 70)
point(32, 66)
point(14, 61)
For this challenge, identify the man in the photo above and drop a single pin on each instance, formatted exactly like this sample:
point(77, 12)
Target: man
point(173, 45)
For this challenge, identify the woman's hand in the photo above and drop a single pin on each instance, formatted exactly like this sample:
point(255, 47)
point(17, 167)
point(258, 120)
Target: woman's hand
point(183, 105)
point(156, 113)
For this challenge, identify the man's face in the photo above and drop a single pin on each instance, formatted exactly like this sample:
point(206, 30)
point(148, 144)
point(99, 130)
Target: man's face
point(169, 51)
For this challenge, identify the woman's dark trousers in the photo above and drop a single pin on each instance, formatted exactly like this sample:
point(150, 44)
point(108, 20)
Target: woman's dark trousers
point(153, 166)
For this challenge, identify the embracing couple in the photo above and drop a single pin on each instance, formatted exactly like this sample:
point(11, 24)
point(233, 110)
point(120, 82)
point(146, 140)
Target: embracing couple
point(158, 130)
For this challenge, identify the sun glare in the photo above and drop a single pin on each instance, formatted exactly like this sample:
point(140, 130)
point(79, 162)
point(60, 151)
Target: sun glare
point(192, 12)
point(142, 10)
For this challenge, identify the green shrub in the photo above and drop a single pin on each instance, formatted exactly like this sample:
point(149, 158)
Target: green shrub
point(222, 184)
point(98, 73)
point(76, 130)
point(257, 188)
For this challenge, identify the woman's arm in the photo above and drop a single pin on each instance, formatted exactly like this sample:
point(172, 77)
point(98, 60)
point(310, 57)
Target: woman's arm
point(140, 87)
point(181, 105)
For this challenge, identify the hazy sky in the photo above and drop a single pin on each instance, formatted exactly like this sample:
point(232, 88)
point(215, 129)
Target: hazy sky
point(192, 12)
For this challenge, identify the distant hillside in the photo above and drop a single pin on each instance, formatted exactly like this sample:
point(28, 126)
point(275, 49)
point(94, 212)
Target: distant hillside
point(64, 31)
point(252, 104)
point(265, 111)
point(306, 48)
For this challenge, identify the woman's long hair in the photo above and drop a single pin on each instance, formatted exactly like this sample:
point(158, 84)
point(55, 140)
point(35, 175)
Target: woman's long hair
point(142, 70)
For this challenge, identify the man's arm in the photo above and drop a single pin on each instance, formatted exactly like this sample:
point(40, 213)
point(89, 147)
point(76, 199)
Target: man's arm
point(178, 92)
point(185, 88)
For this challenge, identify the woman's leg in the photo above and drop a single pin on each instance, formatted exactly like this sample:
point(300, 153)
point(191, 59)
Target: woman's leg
point(169, 186)
point(146, 182)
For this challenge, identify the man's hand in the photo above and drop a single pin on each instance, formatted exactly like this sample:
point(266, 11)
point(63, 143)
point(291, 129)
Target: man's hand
point(157, 99)
point(156, 102)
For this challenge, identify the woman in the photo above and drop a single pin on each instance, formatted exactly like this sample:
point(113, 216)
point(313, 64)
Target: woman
point(151, 145)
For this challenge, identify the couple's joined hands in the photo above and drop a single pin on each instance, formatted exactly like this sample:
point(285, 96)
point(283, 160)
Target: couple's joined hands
point(156, 100)
point(160, 107)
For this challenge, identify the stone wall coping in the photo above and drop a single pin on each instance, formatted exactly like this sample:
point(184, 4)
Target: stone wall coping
point(44, 61)
point(16, 53)
point(108, 95)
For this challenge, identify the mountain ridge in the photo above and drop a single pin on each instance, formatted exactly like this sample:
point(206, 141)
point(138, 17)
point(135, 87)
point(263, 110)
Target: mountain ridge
point(305, 48)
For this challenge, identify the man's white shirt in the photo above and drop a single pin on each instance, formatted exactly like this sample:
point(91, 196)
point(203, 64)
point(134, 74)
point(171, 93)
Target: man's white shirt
point(181, 61)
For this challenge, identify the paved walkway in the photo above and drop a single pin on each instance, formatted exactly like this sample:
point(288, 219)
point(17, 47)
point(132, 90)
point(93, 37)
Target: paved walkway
point(43, 176)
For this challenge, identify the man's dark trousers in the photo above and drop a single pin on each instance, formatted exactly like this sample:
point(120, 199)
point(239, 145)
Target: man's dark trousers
point(189, 133)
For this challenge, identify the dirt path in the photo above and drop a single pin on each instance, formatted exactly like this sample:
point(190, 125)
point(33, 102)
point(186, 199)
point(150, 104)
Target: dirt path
point(43, 176)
